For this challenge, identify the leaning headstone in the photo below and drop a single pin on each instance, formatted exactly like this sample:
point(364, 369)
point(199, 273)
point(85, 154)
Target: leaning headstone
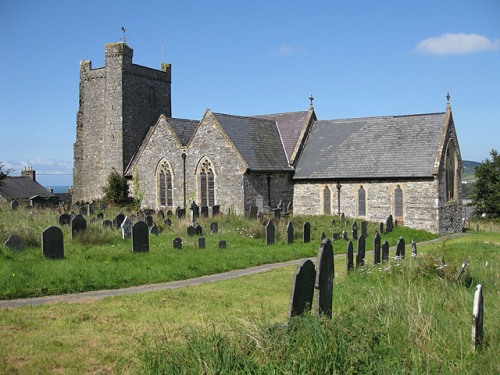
point(360, 252)
point(324, 279)
point(376, 249)
point(413, 248)
point(307, 232)
point(214, 228)
point(385, 251)
point(400, 248)
point(270, 233)
point(118, 220)
point(201, 242)
point(477, 318)
point(53, 243)
point(78, 226)
point(198, 230)
point(154, 230)
point(191, 231)
point(140, 237)
point(364, 229)
point(302, 288)
point(177, 243)
point(289, 233)
point(107, 224)
point(344, 235)
point(461, 271)
point(222, 244)
point(126, 228)
point(14, 205)
point(354, 231)
point(15, 242)
point(64, 219)
point(349, 256)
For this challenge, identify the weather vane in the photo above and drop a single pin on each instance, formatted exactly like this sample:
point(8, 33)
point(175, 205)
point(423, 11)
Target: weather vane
point(124, 39)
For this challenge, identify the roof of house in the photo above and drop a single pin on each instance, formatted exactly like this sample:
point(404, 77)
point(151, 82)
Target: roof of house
point(257, 140)
point(22, 187)
point(372, 147)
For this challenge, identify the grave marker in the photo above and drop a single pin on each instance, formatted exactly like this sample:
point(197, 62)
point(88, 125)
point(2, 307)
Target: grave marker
point(201, 242)
point(376, 249)
point(214, 228)
point(14, 205)
point(461, 271)
point(204, 211)
point(140, 237)
point(198, 230)
point(324, 279)
point(344, 235)
point(354, 231)
point(64, 219)
point(126, 228)
point(118, 220)
point(400, 248)
point(349, 256)
point(385, 251)
point(364, 229)
point(477, 318)
point(177, 243)
point(78, 226)
point(307, 232)
point(154, 231)
point(15, 242)
point(149, 220)
point(191, 231)
point(413, 248)
point(222, 244)
point(195, 211)
point(107, 224)
point(53, 243)
point(302, 288)
point(215, 210)
point(360, 252)
point(289, 233)
point(270, 233)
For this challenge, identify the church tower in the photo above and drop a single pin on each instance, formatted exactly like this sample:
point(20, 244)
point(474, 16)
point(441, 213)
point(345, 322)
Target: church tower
point(118, 104)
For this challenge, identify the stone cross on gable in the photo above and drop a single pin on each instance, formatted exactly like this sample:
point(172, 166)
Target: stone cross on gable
point(124, 39)
point(311, 98)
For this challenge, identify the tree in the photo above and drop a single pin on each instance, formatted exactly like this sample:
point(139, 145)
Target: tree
point(3, 172)
point(487, 189)
point(116, 192)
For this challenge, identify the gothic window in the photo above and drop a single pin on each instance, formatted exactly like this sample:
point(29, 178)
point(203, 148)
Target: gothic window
point(450, 163)
point(164, 183)
point(361, 201)
point(327, 201)
point(206, 184)
point(398, 202)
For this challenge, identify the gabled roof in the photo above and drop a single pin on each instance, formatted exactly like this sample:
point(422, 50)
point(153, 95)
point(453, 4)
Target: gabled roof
point(257, 140)
point(372, 147)
point(22, 187)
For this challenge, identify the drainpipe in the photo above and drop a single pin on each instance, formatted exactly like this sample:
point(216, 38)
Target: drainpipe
point(338, 197)
point(184, 177)
point(269, 191)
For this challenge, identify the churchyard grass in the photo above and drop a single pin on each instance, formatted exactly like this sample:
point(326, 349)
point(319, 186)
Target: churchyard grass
point(100, 259)
point(406, 318)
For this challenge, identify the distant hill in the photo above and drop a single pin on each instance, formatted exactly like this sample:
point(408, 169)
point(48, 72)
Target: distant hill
point(469, 170)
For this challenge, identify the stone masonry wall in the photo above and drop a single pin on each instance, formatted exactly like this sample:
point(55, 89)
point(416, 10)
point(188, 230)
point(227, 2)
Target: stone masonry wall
point(257, 192)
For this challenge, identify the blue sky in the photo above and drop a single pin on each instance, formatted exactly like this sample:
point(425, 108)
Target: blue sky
point(357, 58)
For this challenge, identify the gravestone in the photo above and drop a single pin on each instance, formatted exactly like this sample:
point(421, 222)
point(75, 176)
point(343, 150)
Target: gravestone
point(88, 209)
point(215, 210)
point(342, 217)
point(376, 249)
point(253, 212)
point(289, 233)
point(118, 220)
point(413, 248)
point(336, 236)
point(53, 243)
point(307, 232)
point(385, 251)
point(107, 224)
point(349, 257)
point(15, 242)
point(360, 252)
point(167, 222)
point(177, 243)
point(364, 229)
point(64, 219)
point(302, 288)
point(149, 220)
point(14, 205)
point(169, 213)
point(204, 211)
point(195, 211)
point(277, 213)
point(198, 230)
point(461, 271)
point(214, 228)
point(324, 279)
point(323, 236)
point(346, 223)
point(389, 224)
point(78, 226)
point(154, 230)
point(161, 214)
point(201, 242)
point(400, 248)
point(334, 222)
point(140, 237)
point(180, 212)
point(381, 228)
point(344, 235)
point(270, 233)
point(191, 231)
point(126, 228)
point(222, 244)
point(354, 231)
point(477, 318)
point(93, 220)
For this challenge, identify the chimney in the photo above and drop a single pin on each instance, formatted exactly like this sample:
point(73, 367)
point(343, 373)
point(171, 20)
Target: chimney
point(29, 172)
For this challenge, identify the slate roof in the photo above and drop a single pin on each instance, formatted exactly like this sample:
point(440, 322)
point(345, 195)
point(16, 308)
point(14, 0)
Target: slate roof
point(372, 147)
point(184, 129)
point(22, 187)
point(290, 126)
point(257, 140)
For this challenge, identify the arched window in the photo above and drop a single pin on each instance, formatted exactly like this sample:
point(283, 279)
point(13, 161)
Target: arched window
point(361, 201)
point(450, 163)
point(327, 201)
point(206, 184)
point(398, 202)
point(164, 184)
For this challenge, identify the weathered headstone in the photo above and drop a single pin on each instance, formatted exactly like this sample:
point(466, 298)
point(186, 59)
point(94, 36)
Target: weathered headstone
point(89, 209)
point(201, 242)
point(215, 210)
point(161, 214)
point(277, 213)
point(334, 222)
point(323, 236)
point(126, 228)
point(140, 237)
point(461, 271)
point(222, 244)
point(400, 248)
point(307, 232)
point(289, 233)
point(302, 288)
point(78, 226)
point(53, 243)
point(270, 233)
point(177, 243)
point(354, 231)
point(413, 248)
point(154, 230)
point(198, 230)
point(214, 228)
point(15, 242)
point(118, 220)
point(191, 231)
point(336, 236)
point(477, 318)
point(107, 224)
point(324, 279)
point(93, 220)
point(180, 212)
point(342, 217)
point(349, 256)
point(253, 212)
point(381, 228)
point(195, 211)
point(14, 205)
point(360, 252)
point(376, 249)
point(149, 220)
point(344, 235)
point(204, 211)
point(167, 222)
point(389, 224)
point(64, 219)
point(385, 251)
point(364, 229)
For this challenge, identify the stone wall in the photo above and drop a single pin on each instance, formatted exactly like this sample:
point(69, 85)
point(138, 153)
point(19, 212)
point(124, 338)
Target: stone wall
point(256, 186)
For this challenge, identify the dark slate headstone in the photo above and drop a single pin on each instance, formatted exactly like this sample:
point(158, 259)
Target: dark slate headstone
point(148, 212)
point(169, 213)
point(222, 244)
point(201, 242)
point(385, 251)
point(107, 224)
point(364, 229)
point(344, 235)
point(289, 233)
point(477, 318)
point(349, 256)
point(161, 214)
point(126, 228)
point(78, 225)
point(53, 243)
point(376, 249)
point(302, 288)
point(277, 213)
point(149, 220)
point(154, 230)
point(307, 232)
point(177, 243)
point(389, 224)
point(167, 222)
point(195, 211)
point(15, 242)
point(347, 223)
point(64, 219)
point(180, 212)
point(381, 228)
point(214, 228)
point(88, 209)
point(324, 279)
point(204, 211)
point(360, 252)
point(354, 231)
point(461, 271)
point(400, 248)
point(253, 212)
point(198, 230)
point(140, 237)
point(323, 236)
point(93, 220)
point(413, 248)
point(118, 220)
point(215, 210)
point(270, 233)
point(342, 217)
point(191, 231)
point(14, 205)
point(334, 222)
point(336, 236)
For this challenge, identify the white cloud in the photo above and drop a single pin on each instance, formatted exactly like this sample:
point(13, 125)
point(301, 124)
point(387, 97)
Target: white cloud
point(287, 50)
point(42, 166)
point(457, 44)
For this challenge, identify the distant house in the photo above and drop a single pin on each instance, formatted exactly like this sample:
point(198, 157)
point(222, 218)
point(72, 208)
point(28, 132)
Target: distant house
point(25, 189)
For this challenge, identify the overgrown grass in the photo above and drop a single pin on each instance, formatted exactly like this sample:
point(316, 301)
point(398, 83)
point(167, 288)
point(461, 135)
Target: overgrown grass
point(100, 259)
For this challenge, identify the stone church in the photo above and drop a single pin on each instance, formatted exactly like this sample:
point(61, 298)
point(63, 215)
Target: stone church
point(368, 168)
